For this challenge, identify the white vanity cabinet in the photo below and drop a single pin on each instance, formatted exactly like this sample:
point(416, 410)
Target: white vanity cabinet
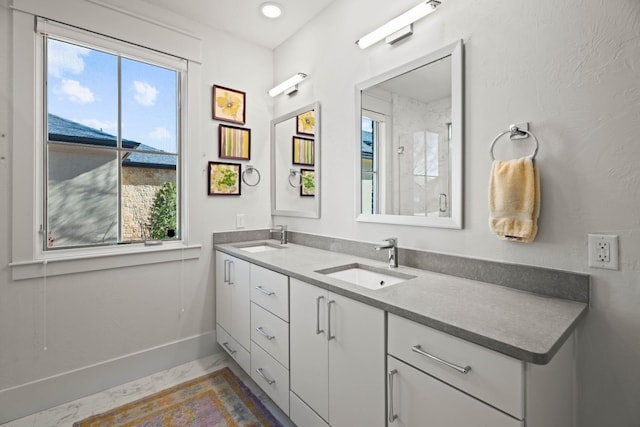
point(233, 307)
point(445, 381)
point(337, 359)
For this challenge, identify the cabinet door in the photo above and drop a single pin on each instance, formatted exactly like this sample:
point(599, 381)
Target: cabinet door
point(309, 354)
point(223, 292)
point(418, 399)
point(356, 364)
point(239, 276)
point(232, 297)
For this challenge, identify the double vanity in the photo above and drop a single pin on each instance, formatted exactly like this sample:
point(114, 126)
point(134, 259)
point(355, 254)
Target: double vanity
point(341, 340)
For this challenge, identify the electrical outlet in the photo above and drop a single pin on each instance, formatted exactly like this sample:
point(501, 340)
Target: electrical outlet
point(240, 221)
point(603, 251)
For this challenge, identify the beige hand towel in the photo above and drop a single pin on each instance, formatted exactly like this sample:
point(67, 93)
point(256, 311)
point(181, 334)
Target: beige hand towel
point(514, 199)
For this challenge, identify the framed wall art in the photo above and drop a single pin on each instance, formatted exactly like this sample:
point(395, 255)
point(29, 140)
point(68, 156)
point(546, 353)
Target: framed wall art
point(228, 104)
point(303, 151)
point(234, 142)
point(306, 123)
point(224, 179)
point(308, 182)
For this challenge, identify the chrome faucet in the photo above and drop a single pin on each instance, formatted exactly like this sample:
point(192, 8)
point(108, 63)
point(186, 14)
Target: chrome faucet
point(283, 233)
point(392, 245)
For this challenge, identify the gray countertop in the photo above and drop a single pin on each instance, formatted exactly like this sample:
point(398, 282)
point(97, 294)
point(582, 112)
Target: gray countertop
point(523, 325)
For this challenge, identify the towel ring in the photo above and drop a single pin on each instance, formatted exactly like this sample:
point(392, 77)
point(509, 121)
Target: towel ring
point(250, 169)
point(292, 174)
point(515, 131)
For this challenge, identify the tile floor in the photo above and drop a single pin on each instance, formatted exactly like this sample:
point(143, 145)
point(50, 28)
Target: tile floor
point(66, 414)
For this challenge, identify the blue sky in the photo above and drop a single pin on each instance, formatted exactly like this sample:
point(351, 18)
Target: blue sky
point(83, 85)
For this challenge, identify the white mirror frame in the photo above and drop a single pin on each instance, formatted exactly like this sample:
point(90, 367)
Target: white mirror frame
point(316, 146)
point(455, 50)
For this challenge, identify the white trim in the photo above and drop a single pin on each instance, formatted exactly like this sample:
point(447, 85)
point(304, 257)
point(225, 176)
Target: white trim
point(120, 258)
point(67, 33)
point(118, 23)
point(29, 398)
point(145, 19)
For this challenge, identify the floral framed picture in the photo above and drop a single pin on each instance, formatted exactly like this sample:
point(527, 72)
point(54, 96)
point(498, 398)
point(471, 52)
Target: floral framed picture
point(234, 142)
point(228, 104)
point(224, 179)
point(303, 151)
point(308, 186)
point(306, 123)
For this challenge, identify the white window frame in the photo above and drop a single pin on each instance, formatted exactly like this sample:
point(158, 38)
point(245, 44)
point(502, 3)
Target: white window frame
point(56, 31)
point(30, 259)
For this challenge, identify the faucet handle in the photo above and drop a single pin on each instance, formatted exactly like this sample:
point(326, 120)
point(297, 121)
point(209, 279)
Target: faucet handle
point(391, 240)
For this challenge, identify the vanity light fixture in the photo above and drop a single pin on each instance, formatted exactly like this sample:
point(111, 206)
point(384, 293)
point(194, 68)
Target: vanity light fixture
point(271, 10)
point(288, 86)
point(401, 24)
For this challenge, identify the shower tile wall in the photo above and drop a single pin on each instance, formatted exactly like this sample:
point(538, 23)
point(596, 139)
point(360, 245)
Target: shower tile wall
point(416, 120)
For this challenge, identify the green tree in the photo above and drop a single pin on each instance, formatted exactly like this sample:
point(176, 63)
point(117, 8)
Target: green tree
point(163, 213)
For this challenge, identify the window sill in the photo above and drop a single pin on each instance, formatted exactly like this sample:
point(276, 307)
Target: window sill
point(57, 266)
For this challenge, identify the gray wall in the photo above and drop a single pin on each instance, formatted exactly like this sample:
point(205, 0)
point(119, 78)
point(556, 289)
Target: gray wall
point(571, 69)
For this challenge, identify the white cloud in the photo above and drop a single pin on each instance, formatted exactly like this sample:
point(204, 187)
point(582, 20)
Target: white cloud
point(160, 133)
point(145, 93)
point(104, 126)
point(65, 58)
point(73, 91)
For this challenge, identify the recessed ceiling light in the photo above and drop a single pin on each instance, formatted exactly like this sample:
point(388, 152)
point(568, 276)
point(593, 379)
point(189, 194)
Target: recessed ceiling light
point(271, 10)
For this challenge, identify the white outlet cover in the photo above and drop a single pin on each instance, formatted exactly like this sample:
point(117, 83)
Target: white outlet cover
point(612, 239)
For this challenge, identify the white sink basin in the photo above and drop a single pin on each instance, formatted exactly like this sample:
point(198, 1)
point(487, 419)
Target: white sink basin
point(366, 276)
point(258, 247)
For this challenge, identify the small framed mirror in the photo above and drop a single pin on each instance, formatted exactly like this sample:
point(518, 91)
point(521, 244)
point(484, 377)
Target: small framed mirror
point(409, 142)
point(295, 163)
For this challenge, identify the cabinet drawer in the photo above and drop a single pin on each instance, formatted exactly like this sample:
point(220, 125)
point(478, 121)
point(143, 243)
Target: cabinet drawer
point(417, 399)
point(302, 415)
point(271, 376)
point(270, 290)
point(493, 378)
point(235, 350)
point(271, 333)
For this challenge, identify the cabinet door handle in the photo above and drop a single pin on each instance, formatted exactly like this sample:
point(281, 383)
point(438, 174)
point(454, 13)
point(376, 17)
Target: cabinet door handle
point(229, 349)
point(265, 291)
point(329, 336)
point(264, 377)
point(226, 271)
point(264, 334)
point(230, 264)
point(392, 415)
point(462, 370)
point(318, 330)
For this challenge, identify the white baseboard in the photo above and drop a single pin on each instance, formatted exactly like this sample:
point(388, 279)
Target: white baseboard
point(17, 402)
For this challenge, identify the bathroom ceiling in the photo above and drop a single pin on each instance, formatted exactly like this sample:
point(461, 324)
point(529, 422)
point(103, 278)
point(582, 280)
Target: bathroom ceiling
point(242, 18)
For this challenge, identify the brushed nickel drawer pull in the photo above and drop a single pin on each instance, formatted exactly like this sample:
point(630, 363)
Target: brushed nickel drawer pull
point(462, 370)
point(264, 334)
point(265, 291)
point(392, 415)
point(318, 330)
point(231, 351)
point(264, 377)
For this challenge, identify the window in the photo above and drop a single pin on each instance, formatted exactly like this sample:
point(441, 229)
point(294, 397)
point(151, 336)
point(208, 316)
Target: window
point(112, 143)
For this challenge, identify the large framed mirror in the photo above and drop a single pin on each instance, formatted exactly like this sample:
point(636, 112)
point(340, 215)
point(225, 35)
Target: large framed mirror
point(409, 142)
point(295, 163)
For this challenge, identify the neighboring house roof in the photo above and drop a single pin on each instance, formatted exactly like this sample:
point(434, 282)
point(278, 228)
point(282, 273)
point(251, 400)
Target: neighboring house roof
point(64, 130)
point(367, 145)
